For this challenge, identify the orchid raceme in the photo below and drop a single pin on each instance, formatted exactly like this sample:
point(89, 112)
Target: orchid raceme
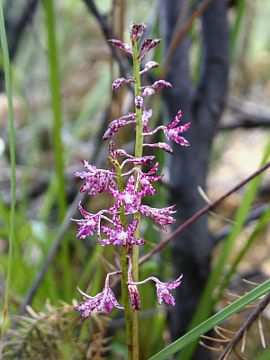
point(128, 183)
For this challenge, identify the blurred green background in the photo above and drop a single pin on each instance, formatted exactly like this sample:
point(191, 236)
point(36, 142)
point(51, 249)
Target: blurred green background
point(62, 72)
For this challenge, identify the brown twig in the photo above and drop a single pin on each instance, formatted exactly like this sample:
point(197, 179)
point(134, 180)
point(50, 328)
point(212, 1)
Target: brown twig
point(244, 328)
point(200, 213)
point(245, 121)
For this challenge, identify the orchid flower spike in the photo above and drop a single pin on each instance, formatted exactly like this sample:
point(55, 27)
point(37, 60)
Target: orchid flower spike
point(129, 180)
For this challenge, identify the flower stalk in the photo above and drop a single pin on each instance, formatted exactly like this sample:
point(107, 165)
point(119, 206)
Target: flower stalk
point(138, 153)
point(124, 267)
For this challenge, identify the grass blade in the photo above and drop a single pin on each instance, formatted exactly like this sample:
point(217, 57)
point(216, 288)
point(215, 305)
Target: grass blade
point(8, 84)
point(214, 320)
point(260, 226)
point(240, 11)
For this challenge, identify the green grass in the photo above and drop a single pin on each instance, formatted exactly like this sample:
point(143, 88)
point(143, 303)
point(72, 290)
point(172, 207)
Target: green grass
point(12, 150)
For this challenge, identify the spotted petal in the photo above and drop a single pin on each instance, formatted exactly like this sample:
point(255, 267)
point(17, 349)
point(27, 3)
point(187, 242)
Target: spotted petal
point(117, 83)
point(121, 45)
point(147, 45)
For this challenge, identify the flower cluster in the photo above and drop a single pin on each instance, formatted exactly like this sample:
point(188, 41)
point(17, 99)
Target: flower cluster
point(128, 184)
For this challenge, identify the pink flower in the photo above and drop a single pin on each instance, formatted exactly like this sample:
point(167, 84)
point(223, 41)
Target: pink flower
point(129, 198)
point(163, 289)
point(145, 180)
point(119, 235)
point(121, 45)
point(90, 224)
point(161, 216)
point(136, 31)
point(96, 180)
point(117, 83)
point(104, 301)
point(147, 45)
point(172, 132)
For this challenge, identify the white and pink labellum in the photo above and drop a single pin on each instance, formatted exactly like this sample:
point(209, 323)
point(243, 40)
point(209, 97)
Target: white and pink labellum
point(147, 45)
point(121, 45)
point(136, 31)
point(138, 102)
point(129, 198)
point(103, 302)
point(96, 180)
point(118, 235)
point(117, 83)
point(144, 180)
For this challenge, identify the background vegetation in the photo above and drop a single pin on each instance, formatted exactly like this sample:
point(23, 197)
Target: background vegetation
point(62, 70)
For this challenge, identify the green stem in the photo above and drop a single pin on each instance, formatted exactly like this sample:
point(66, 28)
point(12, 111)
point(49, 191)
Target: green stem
point(138, 153)
point(8, 84)
point(124, 269)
